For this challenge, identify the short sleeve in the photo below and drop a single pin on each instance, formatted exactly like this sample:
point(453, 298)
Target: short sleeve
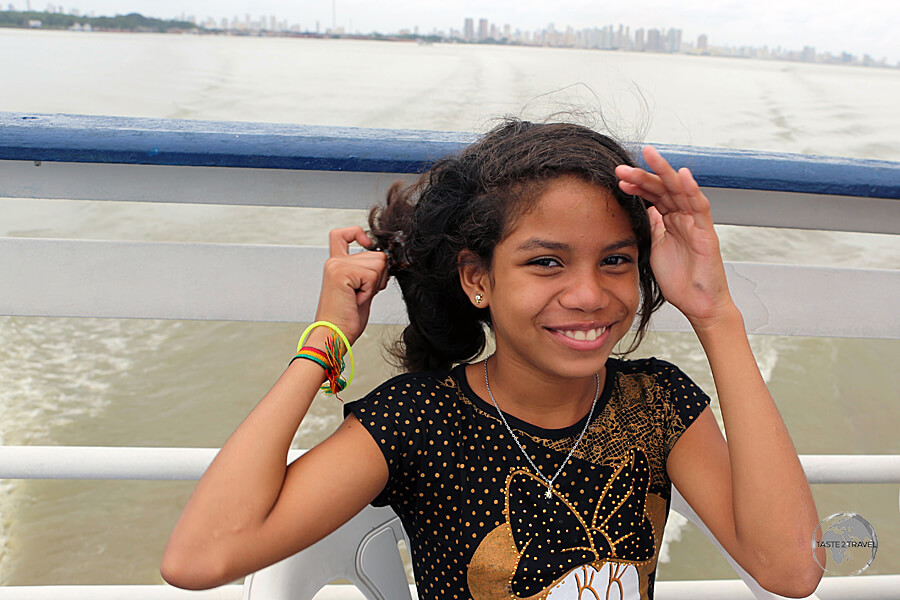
point(684, 400)
point(390, 414)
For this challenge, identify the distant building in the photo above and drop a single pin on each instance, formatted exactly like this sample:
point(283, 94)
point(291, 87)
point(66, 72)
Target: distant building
point(702, 43)
point(482, 29)
point(654, 41)
point(35, 23)
point(673, 40)
point(469, 30)
point(638, 40)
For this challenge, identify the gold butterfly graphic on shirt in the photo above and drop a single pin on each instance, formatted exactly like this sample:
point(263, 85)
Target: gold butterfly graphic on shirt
point(552, 539)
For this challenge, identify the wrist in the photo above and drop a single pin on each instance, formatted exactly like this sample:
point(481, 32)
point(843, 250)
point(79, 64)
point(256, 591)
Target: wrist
point(725, 318)
point(324, 344)
point(317, 338)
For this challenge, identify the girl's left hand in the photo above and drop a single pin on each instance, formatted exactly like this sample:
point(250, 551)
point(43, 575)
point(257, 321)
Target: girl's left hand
point(685, 255)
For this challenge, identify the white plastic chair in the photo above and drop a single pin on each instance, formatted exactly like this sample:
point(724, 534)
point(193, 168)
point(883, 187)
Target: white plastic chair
point(363, 551)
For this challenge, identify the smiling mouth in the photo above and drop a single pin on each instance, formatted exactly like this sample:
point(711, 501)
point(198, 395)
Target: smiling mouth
point(582, 335)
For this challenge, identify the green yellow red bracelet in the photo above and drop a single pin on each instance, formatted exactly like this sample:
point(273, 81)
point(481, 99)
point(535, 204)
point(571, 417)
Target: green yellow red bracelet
point(313, 354)
point(332, 359)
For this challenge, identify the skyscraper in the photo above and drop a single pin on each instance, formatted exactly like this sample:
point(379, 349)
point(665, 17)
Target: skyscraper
point(469, 30)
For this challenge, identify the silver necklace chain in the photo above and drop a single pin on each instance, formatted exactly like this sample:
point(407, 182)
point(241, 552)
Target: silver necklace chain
point(549, 482)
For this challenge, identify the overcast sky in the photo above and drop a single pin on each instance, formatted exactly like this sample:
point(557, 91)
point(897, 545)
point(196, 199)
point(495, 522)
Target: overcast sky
point(856, 26)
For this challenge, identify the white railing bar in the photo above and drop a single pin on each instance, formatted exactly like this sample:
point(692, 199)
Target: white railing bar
point(255, 282)
point(157, 592)
point(851, 468)
point(106, 462)
point(355, 190)
point(101, 462)
point(206, 185)
point(116, 592)
point(863, 587)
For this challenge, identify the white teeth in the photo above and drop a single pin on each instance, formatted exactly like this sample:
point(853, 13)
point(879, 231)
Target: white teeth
point(590, 335)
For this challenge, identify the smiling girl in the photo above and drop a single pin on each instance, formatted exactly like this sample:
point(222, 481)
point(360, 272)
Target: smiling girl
point(543, 471)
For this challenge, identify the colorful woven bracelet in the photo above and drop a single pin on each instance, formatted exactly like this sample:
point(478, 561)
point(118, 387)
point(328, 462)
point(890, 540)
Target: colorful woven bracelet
point(333, 357)
point(313, 354)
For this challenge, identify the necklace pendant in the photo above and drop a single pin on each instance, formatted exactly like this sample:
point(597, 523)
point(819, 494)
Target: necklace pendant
point(548, 494)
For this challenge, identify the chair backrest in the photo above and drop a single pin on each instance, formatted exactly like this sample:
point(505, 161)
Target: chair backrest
point(363, 551)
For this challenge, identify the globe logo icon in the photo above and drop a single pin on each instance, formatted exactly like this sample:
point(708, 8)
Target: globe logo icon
point(848, 541)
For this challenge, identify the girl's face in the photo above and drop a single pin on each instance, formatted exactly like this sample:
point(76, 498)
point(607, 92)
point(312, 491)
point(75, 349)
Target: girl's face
point(563, 288)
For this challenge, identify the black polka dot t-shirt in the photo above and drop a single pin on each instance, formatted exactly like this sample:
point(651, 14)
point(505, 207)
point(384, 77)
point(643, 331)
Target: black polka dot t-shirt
point(479, 522)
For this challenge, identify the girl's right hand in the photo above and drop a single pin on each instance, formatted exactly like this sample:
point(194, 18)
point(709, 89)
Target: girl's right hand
point(350, 281)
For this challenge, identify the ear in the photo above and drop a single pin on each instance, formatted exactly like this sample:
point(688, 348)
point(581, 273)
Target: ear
point(474, 278)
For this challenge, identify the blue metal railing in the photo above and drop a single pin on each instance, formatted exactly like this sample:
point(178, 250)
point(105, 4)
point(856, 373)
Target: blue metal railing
point(121, 140)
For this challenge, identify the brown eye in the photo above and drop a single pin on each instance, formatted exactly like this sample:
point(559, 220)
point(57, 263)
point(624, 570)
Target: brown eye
point(545, 261)
point(617, 260)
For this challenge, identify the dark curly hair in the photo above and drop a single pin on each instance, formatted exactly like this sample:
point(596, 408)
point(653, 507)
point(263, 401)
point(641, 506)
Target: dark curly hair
point(471, 202)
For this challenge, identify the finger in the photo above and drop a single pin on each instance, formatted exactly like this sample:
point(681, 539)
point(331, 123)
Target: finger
point(376, 274)
point(385, 276)
point(368, 284)
point(698, 201)
point(646, 185)
point(636, 190)
point(657, 226)
point(377, 262)
point(349, 279)
point(352, 272)
point(638, 182)
point(674, 195)
point(339, 240)
point(641, 178)
point(374, 259)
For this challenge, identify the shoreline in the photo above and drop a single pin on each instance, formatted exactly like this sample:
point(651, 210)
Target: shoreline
point(84, 24)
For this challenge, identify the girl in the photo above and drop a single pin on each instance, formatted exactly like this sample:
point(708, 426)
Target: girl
point(543, 471)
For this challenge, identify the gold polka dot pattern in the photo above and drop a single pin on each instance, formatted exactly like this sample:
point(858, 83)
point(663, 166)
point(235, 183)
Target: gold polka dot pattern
point(479, 524)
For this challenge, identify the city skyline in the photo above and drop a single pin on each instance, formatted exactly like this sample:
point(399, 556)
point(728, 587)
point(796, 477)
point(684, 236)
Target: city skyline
point(340, 14)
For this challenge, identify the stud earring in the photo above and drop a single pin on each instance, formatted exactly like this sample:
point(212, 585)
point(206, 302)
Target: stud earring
point(478, 298)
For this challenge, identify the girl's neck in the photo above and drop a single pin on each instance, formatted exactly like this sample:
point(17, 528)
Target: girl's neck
point(530, 396)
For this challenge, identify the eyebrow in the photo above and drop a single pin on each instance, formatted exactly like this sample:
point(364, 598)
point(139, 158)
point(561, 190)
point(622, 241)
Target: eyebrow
point(538, 243)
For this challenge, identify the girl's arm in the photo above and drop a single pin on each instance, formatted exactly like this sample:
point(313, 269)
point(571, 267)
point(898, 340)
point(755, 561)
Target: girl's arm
point(751, 492)
point(249, 510)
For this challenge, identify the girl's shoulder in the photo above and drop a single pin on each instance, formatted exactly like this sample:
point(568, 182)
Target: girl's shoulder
point(438, 379)
point(648, 366)
point(411, 390)
point(657, 378)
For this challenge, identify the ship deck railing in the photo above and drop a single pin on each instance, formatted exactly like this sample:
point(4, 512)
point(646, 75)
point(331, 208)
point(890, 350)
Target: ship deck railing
point(78, 157)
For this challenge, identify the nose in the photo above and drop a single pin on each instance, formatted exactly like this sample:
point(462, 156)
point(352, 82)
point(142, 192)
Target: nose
point(585, 292)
